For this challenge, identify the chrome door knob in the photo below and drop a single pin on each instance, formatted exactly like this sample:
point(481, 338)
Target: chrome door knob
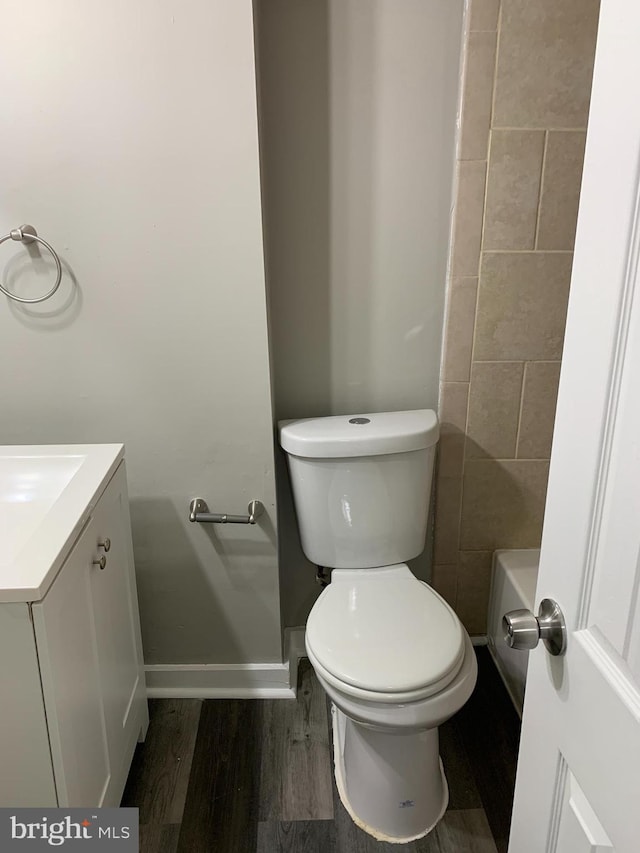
point(100, 561)
point(523, 630)
point(104, 543)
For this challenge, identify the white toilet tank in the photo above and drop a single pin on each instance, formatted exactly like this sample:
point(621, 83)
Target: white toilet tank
point(361, 485)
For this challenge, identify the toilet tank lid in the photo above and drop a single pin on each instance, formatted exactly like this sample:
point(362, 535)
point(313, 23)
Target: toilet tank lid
point(360, 435)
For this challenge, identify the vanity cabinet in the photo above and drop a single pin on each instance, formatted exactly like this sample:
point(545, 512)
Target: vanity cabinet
point(79, 653)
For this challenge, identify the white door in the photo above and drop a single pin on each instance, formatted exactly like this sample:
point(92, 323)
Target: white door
point(578, 784)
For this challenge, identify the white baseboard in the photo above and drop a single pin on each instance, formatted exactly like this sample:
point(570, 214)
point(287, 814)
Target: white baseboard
point(229, 681)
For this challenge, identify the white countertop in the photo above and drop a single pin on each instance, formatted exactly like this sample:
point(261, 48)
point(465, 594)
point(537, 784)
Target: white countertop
point(47, 494)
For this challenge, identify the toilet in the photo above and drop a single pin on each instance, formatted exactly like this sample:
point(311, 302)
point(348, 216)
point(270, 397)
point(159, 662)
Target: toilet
point(391, 654)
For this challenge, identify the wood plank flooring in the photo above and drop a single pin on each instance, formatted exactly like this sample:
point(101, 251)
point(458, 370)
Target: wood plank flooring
point(256, 776)
point(295, 777)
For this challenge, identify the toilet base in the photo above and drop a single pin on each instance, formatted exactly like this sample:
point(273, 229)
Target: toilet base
point(392, 784)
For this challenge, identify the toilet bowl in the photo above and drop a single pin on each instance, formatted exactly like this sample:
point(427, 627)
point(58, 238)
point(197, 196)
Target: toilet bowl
point(391, 654)
point(393, 679)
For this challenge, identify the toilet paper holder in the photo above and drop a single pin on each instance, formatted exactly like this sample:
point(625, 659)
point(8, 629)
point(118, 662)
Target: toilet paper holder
point(199, 512)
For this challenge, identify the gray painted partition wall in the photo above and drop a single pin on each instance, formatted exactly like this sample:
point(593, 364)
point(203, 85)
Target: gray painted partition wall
point(357, 105)
point(130, 142)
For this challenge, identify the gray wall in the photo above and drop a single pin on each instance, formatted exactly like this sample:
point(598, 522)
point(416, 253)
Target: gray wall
point(357, 105)
point(129, 139)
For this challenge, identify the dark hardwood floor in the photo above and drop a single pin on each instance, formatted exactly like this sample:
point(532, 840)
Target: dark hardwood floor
point(256, 776)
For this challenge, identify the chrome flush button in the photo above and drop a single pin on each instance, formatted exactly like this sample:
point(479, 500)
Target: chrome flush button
point(359, 421)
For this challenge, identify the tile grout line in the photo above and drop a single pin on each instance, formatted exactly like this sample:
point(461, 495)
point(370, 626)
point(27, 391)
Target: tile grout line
point(545, 129)
point(524, 379)
point(543, 167)
point(527, 252)
point(484, 204)
point(492, 125)
point(513, 361)
point(503, 459)
point(475, 316)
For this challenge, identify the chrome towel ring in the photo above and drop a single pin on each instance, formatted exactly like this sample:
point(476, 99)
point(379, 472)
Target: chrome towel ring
point(28, 234)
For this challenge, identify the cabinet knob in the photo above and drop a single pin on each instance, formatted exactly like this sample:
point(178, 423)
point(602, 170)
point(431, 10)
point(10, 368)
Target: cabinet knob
point(100, 561)
point(104, 543)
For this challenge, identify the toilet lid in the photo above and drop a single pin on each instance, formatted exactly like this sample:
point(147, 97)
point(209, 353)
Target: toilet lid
point(384, 631)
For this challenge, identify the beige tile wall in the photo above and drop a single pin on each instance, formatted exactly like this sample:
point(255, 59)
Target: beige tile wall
point(524, 113)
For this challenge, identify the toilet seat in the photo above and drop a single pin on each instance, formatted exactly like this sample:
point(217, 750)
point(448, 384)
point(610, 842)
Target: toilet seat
point(382, 635)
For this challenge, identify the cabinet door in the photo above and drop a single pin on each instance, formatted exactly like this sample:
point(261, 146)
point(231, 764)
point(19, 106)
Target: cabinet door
point(116, 621)
point(66, 639)
point(26, 774)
